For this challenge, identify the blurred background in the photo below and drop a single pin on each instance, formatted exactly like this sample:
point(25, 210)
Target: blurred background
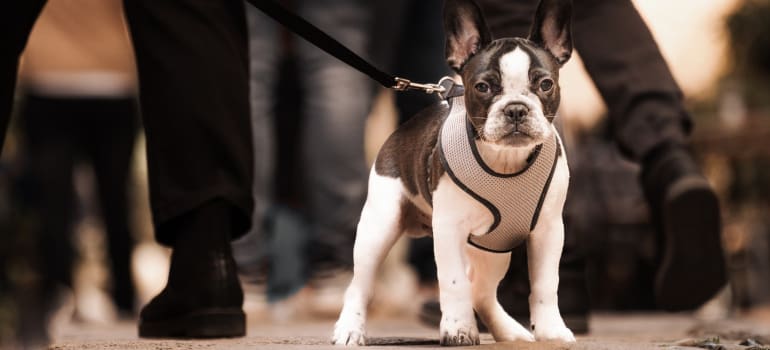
point(719, 52)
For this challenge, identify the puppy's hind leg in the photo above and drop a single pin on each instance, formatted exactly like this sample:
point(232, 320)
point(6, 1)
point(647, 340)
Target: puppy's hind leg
point(487, 269)
point(378, 229)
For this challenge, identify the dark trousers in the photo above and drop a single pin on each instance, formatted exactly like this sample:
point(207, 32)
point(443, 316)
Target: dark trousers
point(60, 133)
point(192, 60)
point(644, 102)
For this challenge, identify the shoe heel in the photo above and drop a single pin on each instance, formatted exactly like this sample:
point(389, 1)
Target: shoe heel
point(217, 324)
point(693, 255)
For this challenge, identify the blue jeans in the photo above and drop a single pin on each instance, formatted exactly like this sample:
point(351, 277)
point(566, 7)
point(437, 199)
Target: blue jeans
point(336, 102)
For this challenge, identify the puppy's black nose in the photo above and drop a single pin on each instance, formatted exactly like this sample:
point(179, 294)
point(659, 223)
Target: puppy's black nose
point(516, 112)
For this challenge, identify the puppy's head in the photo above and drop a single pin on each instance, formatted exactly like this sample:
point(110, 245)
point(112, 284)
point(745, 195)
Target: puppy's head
point(511, 84)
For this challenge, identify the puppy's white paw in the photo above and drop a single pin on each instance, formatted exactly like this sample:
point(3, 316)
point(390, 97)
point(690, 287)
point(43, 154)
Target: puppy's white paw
point(555, 333)
point(459, 331)
point(551, 328)
point(349, 333)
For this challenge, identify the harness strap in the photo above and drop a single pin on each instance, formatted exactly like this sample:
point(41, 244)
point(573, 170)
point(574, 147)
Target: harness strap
point(451, 89)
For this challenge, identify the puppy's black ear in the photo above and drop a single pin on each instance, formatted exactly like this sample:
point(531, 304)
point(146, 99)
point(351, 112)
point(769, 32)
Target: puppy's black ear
point(552, 28)
point(465, 30)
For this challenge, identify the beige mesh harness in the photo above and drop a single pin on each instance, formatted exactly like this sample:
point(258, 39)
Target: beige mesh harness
point(514, 199)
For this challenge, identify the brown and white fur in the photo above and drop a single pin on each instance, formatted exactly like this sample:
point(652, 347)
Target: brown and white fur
point(511, 96)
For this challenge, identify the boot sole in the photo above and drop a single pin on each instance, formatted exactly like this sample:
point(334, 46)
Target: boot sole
point(211, 323)
point(693, 267)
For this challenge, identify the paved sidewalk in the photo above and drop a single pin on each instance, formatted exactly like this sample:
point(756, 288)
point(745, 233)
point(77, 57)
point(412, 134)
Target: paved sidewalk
point(651, 331)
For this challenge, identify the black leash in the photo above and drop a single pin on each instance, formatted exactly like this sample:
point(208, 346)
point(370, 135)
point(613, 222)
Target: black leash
point(333, 47)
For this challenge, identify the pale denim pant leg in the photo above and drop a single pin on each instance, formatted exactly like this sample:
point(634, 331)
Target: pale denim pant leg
point(264, 56)
point(337, 101)
point(285, 251)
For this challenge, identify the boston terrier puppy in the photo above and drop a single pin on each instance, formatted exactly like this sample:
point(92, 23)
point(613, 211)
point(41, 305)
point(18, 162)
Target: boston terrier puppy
point(481, 172)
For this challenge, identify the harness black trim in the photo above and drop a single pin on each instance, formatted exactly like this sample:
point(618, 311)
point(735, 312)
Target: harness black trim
point(483, 164)
point(546, 188)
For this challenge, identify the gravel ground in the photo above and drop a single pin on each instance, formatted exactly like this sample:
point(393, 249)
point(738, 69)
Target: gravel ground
point(639, 331)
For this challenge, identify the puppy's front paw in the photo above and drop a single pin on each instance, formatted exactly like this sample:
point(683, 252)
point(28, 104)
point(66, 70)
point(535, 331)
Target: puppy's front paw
point(555, 333)
point(552, 328)
point(459, 332)
point(547, 324)
point(349, 333)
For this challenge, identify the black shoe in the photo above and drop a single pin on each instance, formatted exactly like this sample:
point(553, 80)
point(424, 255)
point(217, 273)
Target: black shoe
point(168, 317)
point(685, 210)
point(203, 297)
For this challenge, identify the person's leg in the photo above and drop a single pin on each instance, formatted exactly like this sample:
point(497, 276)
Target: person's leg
point(112, 125)
point(651, 126)
point(16, 20)
point(645, 103)
point(50, 147)
point(50, 198)
point(275, 233)
point(192, 60)
point(338, 99)
point(624, 62)
point(264, 52)
point(507, 18)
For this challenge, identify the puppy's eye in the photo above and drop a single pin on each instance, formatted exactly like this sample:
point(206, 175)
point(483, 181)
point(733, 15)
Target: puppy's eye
point(546, 84)
point(482, 87)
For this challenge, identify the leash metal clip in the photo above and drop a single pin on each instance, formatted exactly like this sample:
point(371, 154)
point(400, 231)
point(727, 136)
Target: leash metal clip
point(406, 84)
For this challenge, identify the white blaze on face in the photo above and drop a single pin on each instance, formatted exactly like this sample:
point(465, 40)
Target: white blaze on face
point(514, 72)
point(514, 75)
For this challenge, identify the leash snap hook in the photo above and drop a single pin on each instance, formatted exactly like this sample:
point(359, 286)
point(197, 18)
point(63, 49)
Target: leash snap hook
point(406, 84)
point(401, 84)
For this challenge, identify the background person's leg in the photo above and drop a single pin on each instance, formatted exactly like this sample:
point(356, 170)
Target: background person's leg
point(111, 127)
point(645, 103)
point(338, 99)
point(192, 61)
point(651, 126)
point(264, 54)
point(16, 20)
point(275, 233)
point(50, 142)
point(50, 138)
point(509, 18)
